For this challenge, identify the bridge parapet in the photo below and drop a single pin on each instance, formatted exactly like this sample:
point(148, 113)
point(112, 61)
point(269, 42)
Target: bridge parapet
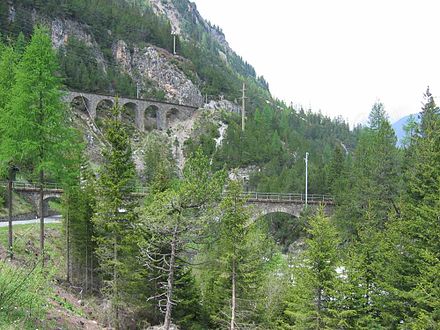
point(287, 198)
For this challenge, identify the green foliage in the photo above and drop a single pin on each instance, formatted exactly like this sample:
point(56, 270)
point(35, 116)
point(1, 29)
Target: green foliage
point(238, 259)
point(190, 313)
point(114, 215)
point(159, 164)
point(415, 233)
point(35, 127)
point(78, 207)
point(22, 296)
point(372, 180)
point(276, 141)
point(171, 221)
point(313, 297)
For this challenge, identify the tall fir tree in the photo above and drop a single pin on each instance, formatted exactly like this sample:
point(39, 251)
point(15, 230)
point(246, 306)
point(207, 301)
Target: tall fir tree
point(114, 216)
point(312, 303)
point(172, 220)
point(36, 131)
point(374, 181)
point(237, 259)
point(416, 233)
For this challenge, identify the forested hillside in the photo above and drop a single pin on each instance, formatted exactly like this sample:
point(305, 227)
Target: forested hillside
point(148, 239)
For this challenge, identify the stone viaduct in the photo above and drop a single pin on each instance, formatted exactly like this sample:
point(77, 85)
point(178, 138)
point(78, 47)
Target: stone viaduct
point(145, 114)
point(261, 204)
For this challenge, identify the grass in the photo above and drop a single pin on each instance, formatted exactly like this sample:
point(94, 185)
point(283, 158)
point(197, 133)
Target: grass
point(31, 300)
point(27, 243)
point(22, 296)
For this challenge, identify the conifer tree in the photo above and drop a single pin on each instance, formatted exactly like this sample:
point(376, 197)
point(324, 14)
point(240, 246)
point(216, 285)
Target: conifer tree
point(363, 304)
point(114, 217)
point(374, 181)
point(312, 303)
point(171, 220)
point(37, 132)
point(8, 62)
point(237, 262)
point(416, 232)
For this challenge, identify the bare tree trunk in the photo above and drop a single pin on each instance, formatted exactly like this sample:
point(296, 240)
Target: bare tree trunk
point(169, 306)
point(233, 298)
point(42, 217)
point(319, 308)
point(87, 267)
point(68, 242)
point(115, 284)
point(91, 271)
point(10, 242)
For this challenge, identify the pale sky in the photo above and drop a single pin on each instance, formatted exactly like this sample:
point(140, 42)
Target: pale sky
point(337, 56)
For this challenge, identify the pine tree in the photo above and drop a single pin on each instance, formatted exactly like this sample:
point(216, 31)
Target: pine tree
point(114, 217)
point(374, 181)
point(36, 132)
point(8, 62)
point(171, 220)
point(416, 233)
point(237, 259)
point(313, 296)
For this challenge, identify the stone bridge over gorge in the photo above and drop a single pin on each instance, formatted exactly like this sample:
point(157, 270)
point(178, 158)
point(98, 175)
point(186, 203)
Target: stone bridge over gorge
point(293, 204)
point(146, 114)
point(261, 203)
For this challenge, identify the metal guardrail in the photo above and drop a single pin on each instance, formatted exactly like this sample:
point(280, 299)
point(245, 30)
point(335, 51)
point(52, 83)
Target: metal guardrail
point(142, 191)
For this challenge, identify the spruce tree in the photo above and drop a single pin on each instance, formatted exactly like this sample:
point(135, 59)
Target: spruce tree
point(363, 304)
point(237, 258)
point(171, 220)
point(312, 303)
point(416, 232)
point(114, 217)
point(373, 182)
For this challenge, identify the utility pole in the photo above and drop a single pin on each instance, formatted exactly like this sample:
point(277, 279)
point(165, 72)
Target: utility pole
point(243, 107)
point(174, 42)
point(307, 162)
point(137, 90)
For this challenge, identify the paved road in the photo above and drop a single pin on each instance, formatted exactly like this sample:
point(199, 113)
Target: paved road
point(52, 219)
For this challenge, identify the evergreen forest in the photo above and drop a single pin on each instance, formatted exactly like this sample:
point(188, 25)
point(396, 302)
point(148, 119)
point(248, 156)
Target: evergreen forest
point(181, 248)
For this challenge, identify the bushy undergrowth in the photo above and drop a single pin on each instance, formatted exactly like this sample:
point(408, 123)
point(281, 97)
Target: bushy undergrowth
point(22, 296)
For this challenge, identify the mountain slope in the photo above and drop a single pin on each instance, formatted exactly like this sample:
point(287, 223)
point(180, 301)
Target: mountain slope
point(125, 47)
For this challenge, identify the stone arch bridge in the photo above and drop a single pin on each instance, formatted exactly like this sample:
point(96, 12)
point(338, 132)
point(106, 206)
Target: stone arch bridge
point(145, 114)
point(260, 203)
point(32, 194)
point(293, 204)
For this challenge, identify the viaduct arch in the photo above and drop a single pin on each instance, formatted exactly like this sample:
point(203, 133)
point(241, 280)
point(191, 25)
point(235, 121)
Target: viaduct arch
point(146, 114)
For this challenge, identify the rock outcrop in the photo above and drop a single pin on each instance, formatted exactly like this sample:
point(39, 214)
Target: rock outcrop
point(63, 29)
point(157, 65)
point(223, 105)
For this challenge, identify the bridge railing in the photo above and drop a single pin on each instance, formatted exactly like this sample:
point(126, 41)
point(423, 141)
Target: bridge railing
point(283, 197)
point(28, 185)
point(249, 195)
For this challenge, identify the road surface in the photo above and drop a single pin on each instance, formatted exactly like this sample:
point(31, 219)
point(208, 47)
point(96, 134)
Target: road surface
point(52, 219)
